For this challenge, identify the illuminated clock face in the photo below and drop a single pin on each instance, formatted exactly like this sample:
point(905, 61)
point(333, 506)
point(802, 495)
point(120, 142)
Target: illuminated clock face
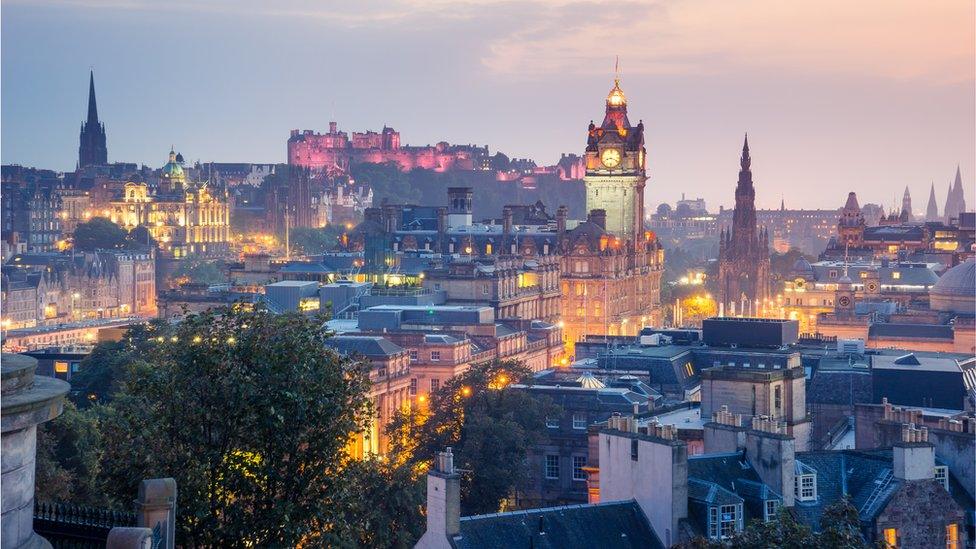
point(872, 287)
point(844, 301)
point(610, 158)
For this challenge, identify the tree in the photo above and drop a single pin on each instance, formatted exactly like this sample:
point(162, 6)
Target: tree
point(67, 460)
point(251, 414)
point(99, 233)
point(388, 182)
point(201, 271)
point(390, 509)
point(102, 372)
point(489, 425)
point(309, 241)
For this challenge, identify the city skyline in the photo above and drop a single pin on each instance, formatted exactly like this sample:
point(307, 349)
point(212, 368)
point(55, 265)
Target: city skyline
point(869, 124)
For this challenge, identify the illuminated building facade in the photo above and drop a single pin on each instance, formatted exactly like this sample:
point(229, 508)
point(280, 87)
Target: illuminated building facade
point(336, 151)
point(744, 251)
point(184, 218)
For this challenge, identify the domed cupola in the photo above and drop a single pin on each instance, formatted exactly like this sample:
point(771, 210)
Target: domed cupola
point(955, 292)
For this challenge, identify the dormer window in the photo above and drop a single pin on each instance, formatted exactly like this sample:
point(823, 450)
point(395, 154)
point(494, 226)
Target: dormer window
point(724, 521)
point(805, 487)
point(942, 476)
point(770, 510)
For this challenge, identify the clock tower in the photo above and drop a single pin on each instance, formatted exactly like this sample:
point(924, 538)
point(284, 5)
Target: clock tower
point(615, 173)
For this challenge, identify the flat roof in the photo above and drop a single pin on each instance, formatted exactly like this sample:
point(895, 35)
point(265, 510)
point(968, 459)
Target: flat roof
point(684, 418)
point(925, 363)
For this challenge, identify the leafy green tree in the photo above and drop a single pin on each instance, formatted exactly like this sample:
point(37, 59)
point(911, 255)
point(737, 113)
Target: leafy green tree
point(102, 372)
point(99, 233)
point(201, 271)
point(309, 241)
point(489, 425)
point(391, 506)
point(67, 459)
point(387, 181)
point(251, 414)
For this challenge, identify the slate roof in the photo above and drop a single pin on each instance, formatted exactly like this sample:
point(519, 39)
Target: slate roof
point(839, 386)
point(603, 525)
point(367, 346)
point(930, 331)
point(730, 479)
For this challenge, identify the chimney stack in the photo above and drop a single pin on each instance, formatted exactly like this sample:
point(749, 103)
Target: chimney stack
point(724, 433)
point(599, 216)
point(913, 455)
point(443, 503)
point(772, 453)
point(507, 220)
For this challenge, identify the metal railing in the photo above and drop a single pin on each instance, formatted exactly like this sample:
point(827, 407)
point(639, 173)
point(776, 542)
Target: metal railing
point(71, 526)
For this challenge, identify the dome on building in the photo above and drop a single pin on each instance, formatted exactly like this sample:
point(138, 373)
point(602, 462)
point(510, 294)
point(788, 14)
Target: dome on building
point(664, 210)
point(802, 268)
point(589, 381)
point(955, 292)
point(173, 170)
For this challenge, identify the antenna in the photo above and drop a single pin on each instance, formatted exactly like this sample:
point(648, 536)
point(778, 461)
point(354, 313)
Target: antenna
point(616, 69)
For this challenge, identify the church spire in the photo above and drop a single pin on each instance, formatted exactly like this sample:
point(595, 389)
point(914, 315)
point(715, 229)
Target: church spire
point(745, 162)
point(932, 209)
point(92, 107)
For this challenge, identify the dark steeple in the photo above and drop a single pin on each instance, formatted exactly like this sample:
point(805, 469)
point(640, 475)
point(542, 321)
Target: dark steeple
point(92, 107)
point(932, 210)
point(92, 150)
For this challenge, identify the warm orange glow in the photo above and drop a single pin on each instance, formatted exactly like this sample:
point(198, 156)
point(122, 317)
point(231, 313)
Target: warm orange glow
point(466, 391)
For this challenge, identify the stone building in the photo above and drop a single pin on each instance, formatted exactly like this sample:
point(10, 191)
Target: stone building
point(389, 377)
point(744, 251)
point(335, 150)
point(183, 217)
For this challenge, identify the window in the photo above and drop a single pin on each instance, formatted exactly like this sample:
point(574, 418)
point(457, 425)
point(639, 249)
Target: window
point(778, 398)
point(896, 275)
point(578, 463)
point(552, 466)
point(60, 367)
point(413, 386)
point(770, 509)
point(729, 520)
point(832, 274)
point(952, 536)
point(435, 384)
point(891, 537)
point(633, 449)
point(805, 488)
point(484, 289)
point(579, 421)
point(435, 356)
point(413, 355)
point(552, 422)
point(713, 522)
point(689, 369)
point(942, 476)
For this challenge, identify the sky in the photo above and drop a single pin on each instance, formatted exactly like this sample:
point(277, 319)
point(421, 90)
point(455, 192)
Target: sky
point(870, 96)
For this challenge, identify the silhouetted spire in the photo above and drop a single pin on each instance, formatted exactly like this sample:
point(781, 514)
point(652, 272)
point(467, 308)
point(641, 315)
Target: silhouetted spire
point(932, 209)
point(92, 107)
point(906, 205)
point(745, 162)
point(960, 193)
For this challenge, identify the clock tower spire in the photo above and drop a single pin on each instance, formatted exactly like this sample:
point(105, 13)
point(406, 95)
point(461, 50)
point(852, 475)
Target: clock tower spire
point(615, 173)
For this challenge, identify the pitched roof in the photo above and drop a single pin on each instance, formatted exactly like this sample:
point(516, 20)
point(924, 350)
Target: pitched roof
point(367, 346)
point(615, 524)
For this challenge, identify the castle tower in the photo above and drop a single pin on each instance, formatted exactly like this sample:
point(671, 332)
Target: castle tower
point(92, 150)
point(851, 224)
point(615, 169)
point(744, 258)
point(906, 205)
point(932, 209)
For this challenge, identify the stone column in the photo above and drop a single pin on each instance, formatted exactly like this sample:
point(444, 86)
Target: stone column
point(26, 401)
point(157, 505)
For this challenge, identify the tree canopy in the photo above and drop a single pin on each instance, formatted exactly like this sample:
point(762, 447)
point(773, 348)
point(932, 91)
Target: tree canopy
point(309, 240)
point(388, 182)
point(251, 414)
point(489, 425)
point(99, 233)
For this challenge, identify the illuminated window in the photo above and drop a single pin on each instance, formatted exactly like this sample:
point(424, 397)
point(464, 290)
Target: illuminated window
point(579, 474)
point(896, 275)
point(891, 537)
point(952, 536)
point(552, 466)
point(689, 369)
point(60, 367)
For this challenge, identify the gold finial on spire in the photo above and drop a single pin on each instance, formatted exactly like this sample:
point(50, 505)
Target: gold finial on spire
point(616, 98)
